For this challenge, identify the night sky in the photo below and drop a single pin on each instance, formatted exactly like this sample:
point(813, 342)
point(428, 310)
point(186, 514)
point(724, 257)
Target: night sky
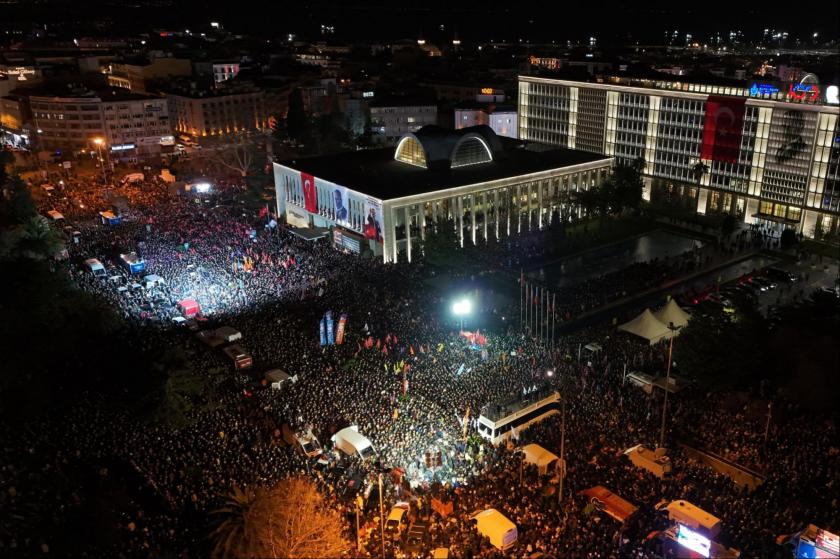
point(537, 20)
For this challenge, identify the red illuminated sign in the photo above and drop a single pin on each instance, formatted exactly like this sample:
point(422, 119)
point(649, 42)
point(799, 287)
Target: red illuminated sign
point(804, 92)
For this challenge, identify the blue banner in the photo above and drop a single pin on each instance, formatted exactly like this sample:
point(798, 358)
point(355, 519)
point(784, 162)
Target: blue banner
point(323, 330)
point(330, 328)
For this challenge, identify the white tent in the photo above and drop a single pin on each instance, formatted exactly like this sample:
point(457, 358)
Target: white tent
point(672, 312)
point(537, 455)
point(648, 327)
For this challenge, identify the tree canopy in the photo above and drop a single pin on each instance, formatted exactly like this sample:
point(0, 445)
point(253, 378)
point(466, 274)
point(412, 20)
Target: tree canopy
point(289, 520)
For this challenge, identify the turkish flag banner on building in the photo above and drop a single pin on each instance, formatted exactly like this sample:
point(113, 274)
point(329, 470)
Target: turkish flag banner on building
point(722, 128)
point(310, 195)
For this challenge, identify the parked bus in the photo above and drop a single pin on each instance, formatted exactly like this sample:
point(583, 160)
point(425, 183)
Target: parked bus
point(500, 421)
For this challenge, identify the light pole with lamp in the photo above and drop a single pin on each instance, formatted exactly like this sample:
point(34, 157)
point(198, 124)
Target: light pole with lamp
point(381, 515)
point(98, 142)
point(461, 309)
point(673, 330)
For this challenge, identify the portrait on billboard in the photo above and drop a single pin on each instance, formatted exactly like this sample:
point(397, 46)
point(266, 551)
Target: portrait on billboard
point(373, 220)
point(341, 204)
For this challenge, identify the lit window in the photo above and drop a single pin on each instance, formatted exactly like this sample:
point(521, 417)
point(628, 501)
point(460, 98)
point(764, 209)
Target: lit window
point(471, 151)
point(410, 151)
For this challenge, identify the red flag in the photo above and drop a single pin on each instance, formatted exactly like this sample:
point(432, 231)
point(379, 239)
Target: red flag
point(310, 194)
point(264, 211)
point(722, 128)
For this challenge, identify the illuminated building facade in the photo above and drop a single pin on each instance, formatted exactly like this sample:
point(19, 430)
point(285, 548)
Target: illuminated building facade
point(766, 154)
point(388, 200)
point(217, 113)
point(131, 126)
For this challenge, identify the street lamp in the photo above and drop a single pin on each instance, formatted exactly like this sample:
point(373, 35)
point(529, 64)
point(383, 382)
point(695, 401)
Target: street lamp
point(673, 330)
point(461, 309)
point(98, 142)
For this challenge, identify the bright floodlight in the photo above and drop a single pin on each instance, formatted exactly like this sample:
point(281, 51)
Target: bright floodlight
point(549, 372)
point(462, 307)
point(203, 187)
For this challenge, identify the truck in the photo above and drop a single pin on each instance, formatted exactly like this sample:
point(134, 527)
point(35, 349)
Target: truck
point(133, 263)
point(133, 177)
point(496, 527)
point(239, 356)
point(95, 267)
point(353, 443)
point(683, 512)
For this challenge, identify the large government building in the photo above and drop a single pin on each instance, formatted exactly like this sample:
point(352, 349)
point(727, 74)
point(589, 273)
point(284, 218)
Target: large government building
point(387, 200)
point(764, 153)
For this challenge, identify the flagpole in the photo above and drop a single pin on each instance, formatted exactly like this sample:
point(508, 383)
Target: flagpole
point(521, 296)
point(553, 316)
point(545, 319)
point(527, 290)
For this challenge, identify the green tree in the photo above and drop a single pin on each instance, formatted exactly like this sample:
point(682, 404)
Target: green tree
point(298, 123)
point(7, 158)
point(626, 193)
point(16, 206)
point(233, 536)
point(589, 200)
point(720, 352)
point(698, 170)
point(176, 390)
point(329, 134)
point(441, 242)
point(32, 239)
point(56, 341)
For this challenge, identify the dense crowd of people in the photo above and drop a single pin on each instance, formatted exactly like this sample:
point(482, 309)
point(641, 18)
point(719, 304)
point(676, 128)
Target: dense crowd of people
point(406, 379)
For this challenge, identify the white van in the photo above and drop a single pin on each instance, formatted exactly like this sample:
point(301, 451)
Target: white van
point(133, 177)
point(228, 334)
point(495, 527)
point(95, 267)
point(152, 280)
point(353, 443)
point(683, 512)
point(278, 377)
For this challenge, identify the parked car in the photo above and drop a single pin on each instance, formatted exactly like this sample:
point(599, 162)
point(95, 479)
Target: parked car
point(397, 520)
point(764, 283)
point(780, 275)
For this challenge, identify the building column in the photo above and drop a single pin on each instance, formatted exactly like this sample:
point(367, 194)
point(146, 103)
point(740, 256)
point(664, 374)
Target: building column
point(435, 211)
point(472, 218)
point(530, 206)
point(496, 213)
point(407, 217)
point(484, 203)
point(459, 207)
point(389, 243)
point(423, 222)
point(540, 204)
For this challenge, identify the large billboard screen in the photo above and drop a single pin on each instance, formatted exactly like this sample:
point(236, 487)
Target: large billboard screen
point(694, 541)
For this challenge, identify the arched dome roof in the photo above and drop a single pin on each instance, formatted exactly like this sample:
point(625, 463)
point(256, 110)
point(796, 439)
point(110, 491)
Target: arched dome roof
point(440, 146)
